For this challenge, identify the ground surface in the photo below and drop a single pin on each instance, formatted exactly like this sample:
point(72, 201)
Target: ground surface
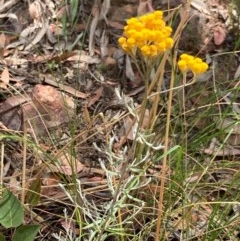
point(59, 72)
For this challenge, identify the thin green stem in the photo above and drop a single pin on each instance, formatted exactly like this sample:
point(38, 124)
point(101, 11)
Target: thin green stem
point(137, 148)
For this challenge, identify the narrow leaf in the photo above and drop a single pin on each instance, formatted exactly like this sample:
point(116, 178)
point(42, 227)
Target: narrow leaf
point(5, 76)
point(33, 195)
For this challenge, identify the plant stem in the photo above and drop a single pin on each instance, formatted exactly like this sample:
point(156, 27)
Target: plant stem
point(137, 148)
point(165, 156)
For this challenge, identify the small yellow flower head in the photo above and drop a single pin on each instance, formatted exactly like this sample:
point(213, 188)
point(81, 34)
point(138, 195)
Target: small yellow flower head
point(182, 65)
point(122, 40)
point(154, 50)
point(147, 33)
point(186, 57)
point(131, 42)
point(204, 67)
point(146, 51)
point(161, 47)
point(158, 14)
point(169, 43)
point(196, 65)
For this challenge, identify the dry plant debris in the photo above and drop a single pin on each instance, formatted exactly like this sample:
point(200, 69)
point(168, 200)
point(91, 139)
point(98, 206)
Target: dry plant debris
point(60, 75)
point(44, 107)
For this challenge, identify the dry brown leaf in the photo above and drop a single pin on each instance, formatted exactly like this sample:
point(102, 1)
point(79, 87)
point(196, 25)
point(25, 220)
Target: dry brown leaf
point(224, 152)
point(144, 7)
point(99, 12)
point(103, 44)
point(146, 119)
point(130, 128)
point(129, 70)
point(6, 168)
point(10, 113)
point(64, 12)
point(136, 91)
point(52, 192)
point(51, 36)
point(97, 95)
point(3, 44)
point(3, 86)
point(121, 14)
point(14, 61)
point(105, 6)
point(35, 10)
point(3, 40)
point(93, 27)
point(49, 179)
point(17, 100)
point(14, 184)
point(6, 5)
point(81, 56)
point(68, 165)
point(68, 89)
point(41, 23)
point(219, 35)
point(237, 73)
point(50, 187)
point(52, 105)
point(115, 24)
point(95, 179)
point(86, 115)
point(45, 107)
point(109, 62)
point(39, 35)
point(215, 149)
point(118, 145)
point(57, 58)
point(55, 29)
point(70, 226)
point(5, 76)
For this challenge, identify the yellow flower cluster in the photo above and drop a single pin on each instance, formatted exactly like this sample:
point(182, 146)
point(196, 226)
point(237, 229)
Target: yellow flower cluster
point(188, 62)
point(148, 33)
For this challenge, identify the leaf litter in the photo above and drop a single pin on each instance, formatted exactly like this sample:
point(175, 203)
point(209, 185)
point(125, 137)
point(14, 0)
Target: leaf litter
point(47, 102)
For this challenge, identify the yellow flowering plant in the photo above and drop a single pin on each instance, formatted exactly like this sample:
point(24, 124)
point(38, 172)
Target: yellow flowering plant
point(188, 62)
point(149, 34)
point(148, 40)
